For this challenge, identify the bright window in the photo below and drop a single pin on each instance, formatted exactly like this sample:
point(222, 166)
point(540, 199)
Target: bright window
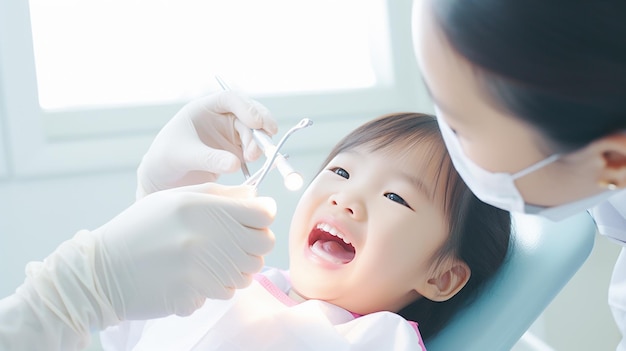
point(86, 84)
point(95, 53)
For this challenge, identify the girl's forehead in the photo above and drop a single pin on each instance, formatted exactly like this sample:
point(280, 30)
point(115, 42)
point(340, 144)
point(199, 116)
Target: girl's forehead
point(423, 150)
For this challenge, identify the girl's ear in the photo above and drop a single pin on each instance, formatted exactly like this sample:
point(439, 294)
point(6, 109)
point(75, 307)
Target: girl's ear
point(612, 151)
point(446, 283)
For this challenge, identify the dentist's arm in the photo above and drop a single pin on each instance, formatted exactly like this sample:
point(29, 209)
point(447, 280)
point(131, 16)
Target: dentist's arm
point(207, 137)
point(165, 254)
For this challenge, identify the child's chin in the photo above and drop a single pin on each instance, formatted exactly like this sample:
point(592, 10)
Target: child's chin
point(312, 286)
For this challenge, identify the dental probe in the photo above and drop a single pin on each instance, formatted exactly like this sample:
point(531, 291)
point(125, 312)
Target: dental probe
point(292, 179)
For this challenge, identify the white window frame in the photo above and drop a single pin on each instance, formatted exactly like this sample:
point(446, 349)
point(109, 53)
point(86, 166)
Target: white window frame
point(38, 142)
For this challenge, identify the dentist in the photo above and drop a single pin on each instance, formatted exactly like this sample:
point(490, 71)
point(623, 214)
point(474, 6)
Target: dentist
point(167, 252)
point(531, 101)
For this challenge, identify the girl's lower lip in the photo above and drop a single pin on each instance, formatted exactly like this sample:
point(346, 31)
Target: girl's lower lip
point(311, 256)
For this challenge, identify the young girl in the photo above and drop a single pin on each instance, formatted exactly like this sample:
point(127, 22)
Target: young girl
point(386, 237)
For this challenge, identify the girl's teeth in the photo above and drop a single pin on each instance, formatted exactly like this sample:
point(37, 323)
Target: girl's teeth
point(332, 231)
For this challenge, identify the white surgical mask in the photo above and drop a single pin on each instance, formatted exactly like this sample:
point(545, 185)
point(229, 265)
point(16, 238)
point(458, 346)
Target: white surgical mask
point(499, 190)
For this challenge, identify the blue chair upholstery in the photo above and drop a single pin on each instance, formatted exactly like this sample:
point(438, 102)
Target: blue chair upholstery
point(543, 257)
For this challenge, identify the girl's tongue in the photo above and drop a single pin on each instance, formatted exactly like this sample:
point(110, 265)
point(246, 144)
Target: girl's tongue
point(330, 247)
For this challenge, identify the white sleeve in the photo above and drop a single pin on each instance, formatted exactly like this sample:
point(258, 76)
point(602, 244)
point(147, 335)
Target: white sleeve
point(27, 324)
point(610, 217)
point(58, 305)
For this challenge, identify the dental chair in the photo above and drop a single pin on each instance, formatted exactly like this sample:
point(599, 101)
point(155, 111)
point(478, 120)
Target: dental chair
point(543, 257)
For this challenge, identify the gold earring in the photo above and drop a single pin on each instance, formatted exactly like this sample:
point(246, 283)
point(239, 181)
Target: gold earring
point(609, 184)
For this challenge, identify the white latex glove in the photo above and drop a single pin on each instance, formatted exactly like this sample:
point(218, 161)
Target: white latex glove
point(180, 247)
point(207, 137)
point(165, 254)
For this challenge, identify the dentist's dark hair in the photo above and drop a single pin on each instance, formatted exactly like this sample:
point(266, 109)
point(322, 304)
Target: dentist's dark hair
point(479, 234)
point(558, 65)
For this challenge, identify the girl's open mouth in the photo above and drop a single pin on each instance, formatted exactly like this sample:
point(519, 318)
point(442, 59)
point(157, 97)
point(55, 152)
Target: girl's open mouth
point(329, 244)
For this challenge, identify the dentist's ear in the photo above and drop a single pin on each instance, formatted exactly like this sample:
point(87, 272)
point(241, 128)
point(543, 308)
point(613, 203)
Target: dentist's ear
point(447, 282)
point(612, 152)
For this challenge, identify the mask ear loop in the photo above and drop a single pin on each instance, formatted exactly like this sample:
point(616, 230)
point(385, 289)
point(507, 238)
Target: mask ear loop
point(536, 166)
point(259, 175)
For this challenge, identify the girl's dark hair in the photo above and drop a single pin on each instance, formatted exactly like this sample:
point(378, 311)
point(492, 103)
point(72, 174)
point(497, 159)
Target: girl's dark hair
point(559, 65)
point(478, 233)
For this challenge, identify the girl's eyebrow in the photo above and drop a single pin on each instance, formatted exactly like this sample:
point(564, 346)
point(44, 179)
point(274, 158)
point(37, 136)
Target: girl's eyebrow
point(417, 182)
point(419, 185)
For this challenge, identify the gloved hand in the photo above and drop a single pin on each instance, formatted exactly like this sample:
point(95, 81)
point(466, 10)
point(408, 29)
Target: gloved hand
point(207, 137)
point(178, 247)
point(165, 254)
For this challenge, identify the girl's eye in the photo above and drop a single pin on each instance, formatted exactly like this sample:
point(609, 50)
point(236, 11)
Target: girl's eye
point(341, 172)
point(397, 198)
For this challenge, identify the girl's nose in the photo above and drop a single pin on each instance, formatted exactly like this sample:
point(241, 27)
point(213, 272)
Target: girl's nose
point(350, 204)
